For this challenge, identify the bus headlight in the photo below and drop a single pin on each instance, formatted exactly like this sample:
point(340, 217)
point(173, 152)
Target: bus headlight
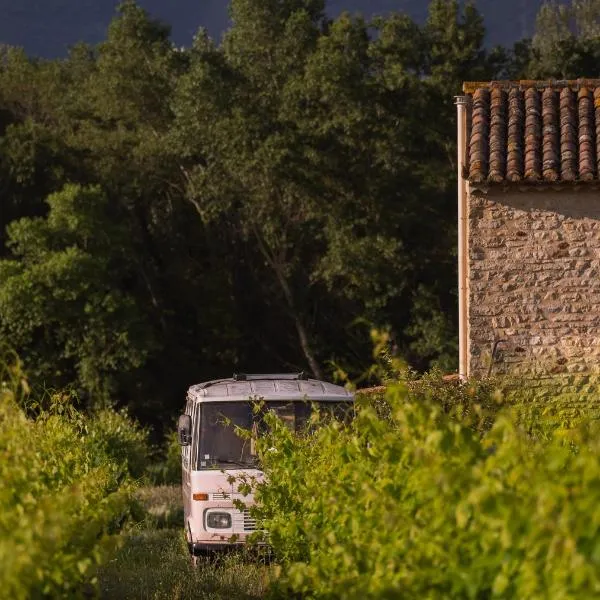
point(218, 520)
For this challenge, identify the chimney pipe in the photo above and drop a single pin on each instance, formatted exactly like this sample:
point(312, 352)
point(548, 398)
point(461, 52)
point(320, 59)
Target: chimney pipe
point(462, 103)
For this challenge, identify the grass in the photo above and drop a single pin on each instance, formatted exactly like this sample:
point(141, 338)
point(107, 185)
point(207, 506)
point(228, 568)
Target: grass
point(162, 505)
point(154, 563)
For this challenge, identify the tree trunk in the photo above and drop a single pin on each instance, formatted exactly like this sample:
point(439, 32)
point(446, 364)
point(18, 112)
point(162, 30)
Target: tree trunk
point(302, 334)
point(305, 344)
point(289, 297)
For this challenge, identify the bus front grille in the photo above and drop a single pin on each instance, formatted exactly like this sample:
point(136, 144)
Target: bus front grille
point(249, 522)
point(243, 522)
point(220, 496)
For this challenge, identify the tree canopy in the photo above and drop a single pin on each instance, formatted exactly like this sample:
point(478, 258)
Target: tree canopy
point(171, 215)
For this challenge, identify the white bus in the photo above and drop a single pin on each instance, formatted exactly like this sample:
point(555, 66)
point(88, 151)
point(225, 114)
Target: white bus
point(213, 453)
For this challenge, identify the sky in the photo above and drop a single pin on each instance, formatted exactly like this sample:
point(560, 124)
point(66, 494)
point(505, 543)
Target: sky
point(47, 28)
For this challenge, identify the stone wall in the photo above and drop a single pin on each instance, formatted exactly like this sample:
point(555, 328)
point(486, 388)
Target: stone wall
point(534, 282)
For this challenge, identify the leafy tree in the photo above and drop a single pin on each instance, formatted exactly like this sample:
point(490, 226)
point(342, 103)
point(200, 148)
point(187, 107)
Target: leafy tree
point(64, 300)
point(247, 177)
point(566, 43)
point(33, 156)
point(455, 44)
point(256, 204)
point(109, 130)
point(310, 150)
point(121, 125)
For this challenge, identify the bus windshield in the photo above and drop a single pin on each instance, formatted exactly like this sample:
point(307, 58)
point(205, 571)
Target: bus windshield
point(220, 446)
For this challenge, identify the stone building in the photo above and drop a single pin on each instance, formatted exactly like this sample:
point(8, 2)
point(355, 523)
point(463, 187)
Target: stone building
point(529, 231)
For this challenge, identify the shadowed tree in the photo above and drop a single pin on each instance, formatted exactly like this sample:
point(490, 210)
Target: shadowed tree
point(566, 43)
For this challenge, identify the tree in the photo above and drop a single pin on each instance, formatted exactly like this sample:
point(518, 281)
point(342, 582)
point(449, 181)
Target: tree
point(64, 301)
point(454, 44)
point(320, 148)
point(247, 174)
point(108, 128)
point(566, 43)
point(34, 160)
point(255, 205)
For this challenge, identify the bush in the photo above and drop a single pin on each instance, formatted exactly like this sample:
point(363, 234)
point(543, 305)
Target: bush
point(63, 493)
point(167, 470)
point(423, 504)
point(173, 459)
point(116, 435)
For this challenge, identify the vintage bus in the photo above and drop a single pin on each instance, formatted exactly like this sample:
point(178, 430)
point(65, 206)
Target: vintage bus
point(213, 453)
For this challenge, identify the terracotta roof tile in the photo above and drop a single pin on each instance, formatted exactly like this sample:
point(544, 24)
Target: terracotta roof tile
point(516, 112)
point(533, 135)
point(497, 135)
point(479, 140)
point(587, 155)
point(550, 136)
point(533, 131)
point(597, 132)
point(568, 137)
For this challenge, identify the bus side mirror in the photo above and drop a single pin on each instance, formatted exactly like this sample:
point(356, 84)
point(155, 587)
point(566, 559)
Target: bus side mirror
point(184, 430)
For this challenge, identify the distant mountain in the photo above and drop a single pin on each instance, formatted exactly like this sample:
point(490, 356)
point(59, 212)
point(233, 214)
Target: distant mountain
point(47, 28)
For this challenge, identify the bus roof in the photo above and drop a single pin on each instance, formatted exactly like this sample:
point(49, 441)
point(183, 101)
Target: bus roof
point(270, 387)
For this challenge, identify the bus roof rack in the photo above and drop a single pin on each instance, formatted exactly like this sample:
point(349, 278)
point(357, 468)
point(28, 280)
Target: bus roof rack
point(242, 386)
point(302, 376)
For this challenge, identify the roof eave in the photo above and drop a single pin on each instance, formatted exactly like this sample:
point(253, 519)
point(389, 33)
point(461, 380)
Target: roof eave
point(527, 186)
point(469, 87)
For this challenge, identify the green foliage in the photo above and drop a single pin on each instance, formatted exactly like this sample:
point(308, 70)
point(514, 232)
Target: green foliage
point(168, 214)
point(120, 438)
point(62, 495)
point(166, 208)
point(475, 403)
point(566, 43)
point(431, 331)
point(420, 504)
point(456, 38)
point(313, 156)
point(60, 302)
point(167, 469)
point(155, 565)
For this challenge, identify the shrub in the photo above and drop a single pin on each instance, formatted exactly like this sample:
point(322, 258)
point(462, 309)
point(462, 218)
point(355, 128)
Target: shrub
point(62, 495)
point(114, 434)
point(167, 470)
point(422, 504)
point(173, 458)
